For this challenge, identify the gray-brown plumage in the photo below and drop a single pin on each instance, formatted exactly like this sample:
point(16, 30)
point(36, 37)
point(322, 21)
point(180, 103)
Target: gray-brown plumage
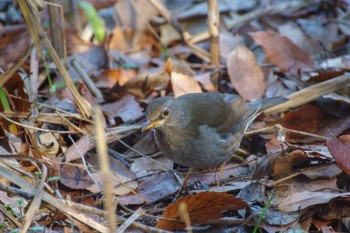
point(204, 129)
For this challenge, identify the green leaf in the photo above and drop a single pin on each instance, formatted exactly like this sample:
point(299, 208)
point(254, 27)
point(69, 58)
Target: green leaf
point(4, 100)
point(95, 20)
point(57, 85)
point(53, 178)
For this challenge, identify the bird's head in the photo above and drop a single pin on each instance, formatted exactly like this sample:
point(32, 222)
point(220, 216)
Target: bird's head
point(163, 111)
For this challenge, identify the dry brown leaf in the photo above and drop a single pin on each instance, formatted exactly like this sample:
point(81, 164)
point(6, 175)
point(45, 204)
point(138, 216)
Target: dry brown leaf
point(78, 149)
point(47, 144)
point(307, 119)
point(145, 144)
point(340, 150)
point(229, 42)
point(143, 83)
point(204, 79)
point(74, 177)
point(302, 200)
point(117, 40)
point(108, 78)
point(15, 40)
point(134, 17)
point(100, 4)
point(126, 108)
point(286, 165)
point(201, 207)
point(183, 84)
point(182, 78)
point(245, 73)
point(18, 102)
point(282, 52)
point(153, 188)
point(144, 166)
point(122, 185)
point(209, 177)
point(324, 171)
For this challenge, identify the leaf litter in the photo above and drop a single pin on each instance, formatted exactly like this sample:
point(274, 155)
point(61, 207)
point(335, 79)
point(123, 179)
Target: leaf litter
point(292, 172)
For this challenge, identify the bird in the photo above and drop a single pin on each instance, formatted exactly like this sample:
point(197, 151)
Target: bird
point(202, 130)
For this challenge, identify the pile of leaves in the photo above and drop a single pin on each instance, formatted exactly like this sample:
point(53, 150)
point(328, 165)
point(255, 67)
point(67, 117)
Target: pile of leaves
point(77, 76)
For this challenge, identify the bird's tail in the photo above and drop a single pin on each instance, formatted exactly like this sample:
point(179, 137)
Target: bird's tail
point(269, 102)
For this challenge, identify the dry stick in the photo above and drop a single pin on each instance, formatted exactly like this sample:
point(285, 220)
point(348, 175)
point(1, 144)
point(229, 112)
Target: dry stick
point(63, 29)
point(56, 26)
point(277, 182)
point(10, 215)
point(99, 212)
point(28, 17)
point(53, 118)
point(58, 204)
point(88, 82)
point(31, 85)
point(35, 204)
point(101, 145)
point(283, 129)
point(214, 23)
point(83, 106)
point(270, 10)
point(258, 13)
point(184, 215)
point(186, 37)
point(130, 220)
point(33, 127)
point(310, 93)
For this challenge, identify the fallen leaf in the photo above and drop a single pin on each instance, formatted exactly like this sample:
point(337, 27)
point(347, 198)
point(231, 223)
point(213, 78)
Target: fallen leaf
point(108, 78)
point(122, 185)
point(115, 165)
point(307, 119)
point(143, 83)
point(204, 79)
point(288, 164)
point(152, 189)
point(229, 42)
point(340, 150)
point(209, 177)
point(15, 39)
point(47, 143)
point(201, 207)
point(117, 40)
point(183, 84)
point(324, 171)
point(245, 73)
point(302, 184)
point(282, 52)
point(273, 217)
point(302, 200)
point(145, 166)
point(78, 149)
point(182, 78)
point(74, 177)
point(145, 144)
point(126, 108)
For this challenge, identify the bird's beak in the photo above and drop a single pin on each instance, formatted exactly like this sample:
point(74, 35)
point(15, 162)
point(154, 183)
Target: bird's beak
point(152, 125)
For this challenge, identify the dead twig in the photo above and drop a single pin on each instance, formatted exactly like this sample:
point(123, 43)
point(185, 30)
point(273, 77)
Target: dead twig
point(214, 29)
point(101, 145)
point(310, 93)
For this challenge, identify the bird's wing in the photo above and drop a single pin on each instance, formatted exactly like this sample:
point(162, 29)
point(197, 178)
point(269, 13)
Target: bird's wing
point(209, 108)
point(241, 114)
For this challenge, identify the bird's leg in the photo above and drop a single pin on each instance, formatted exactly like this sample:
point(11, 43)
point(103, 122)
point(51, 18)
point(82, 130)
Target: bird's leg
point(219, 183)
point(184, 183)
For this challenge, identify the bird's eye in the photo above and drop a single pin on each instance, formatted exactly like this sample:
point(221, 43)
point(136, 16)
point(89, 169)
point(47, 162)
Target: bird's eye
point(165, 113)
